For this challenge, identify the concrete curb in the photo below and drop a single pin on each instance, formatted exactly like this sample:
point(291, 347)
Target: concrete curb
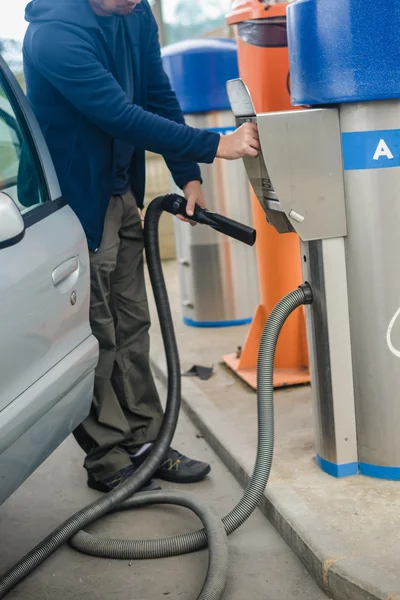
point(325, 554)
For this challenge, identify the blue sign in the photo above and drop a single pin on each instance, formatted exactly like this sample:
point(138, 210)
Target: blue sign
point(371, 149)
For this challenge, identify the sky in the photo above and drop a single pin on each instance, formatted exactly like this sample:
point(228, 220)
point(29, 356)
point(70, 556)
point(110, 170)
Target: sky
point(13, 25)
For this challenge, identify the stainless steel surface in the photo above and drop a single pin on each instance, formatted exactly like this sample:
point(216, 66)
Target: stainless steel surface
point(274, 205)
point(47, 352)
point(298, 179)
point(302, 153)
point(11, 222)
point(328, 330)
point(243, 109)
point(218, 276)
point(372, 251)
point(219, 292)
point(240, 99)
point(262, 185)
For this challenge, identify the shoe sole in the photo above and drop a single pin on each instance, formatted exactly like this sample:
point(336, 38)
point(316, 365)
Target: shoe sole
point(171, 477)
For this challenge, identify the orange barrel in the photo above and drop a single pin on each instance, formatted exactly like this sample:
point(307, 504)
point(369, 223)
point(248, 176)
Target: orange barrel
point(264, 66)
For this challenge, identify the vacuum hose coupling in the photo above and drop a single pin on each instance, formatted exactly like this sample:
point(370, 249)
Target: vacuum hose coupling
point(308, 293)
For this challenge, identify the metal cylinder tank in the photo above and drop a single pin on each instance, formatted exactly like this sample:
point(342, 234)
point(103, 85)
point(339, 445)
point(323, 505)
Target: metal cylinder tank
point(218, 276)
point(372, 183)
point(349, 57)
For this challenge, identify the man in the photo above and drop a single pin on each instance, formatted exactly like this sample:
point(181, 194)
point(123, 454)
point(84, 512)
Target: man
point(95, 80)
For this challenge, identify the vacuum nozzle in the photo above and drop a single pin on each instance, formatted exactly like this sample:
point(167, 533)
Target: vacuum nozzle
point(308, 293)
point(176, 205)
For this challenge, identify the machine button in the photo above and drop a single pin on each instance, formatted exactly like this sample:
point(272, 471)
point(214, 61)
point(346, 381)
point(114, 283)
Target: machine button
point(296, 216)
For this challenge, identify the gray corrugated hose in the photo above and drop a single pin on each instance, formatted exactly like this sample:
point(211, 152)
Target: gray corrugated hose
point(215, 531)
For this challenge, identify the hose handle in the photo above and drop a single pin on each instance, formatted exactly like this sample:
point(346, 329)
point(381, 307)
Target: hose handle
point(176, 205)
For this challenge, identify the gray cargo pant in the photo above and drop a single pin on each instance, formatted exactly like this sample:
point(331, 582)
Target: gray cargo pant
point(126, 411)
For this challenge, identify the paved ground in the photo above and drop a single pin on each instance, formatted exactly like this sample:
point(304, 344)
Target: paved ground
point(359, 515)
point(261, 565)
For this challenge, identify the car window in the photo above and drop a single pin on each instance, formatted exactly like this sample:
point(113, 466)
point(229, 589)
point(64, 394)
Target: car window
point(19, 171)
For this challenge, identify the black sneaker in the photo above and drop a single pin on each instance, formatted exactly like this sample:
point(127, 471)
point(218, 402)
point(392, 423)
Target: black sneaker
point(113, 481)
point(176, 467)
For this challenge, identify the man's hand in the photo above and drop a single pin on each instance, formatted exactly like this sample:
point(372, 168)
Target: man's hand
point(194, 195)
point(243, 142)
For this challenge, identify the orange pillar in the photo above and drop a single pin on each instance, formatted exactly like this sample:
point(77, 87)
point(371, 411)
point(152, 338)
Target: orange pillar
point(264, 67)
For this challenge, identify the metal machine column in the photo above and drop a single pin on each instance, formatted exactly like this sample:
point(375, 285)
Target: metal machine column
point(298, 179)
point(349, 57)
point(372, 178)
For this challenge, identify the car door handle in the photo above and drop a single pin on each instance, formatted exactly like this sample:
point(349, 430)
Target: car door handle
point(65, 270)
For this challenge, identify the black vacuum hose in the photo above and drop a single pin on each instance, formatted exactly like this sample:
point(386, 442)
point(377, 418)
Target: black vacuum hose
point(216, 577)
point(214, 534)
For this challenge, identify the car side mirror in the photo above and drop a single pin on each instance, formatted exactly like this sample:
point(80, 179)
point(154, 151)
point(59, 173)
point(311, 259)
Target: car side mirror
point(12, 227)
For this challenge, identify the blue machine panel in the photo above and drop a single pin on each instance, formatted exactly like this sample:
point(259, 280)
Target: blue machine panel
point(199, 70)
point(344, 50)
point(371, 149)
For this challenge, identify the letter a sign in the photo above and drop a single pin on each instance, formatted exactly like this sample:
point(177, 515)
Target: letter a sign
point(383, 150)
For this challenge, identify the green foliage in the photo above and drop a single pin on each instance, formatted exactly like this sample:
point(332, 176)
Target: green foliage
point(11, 50)
point(192, 19)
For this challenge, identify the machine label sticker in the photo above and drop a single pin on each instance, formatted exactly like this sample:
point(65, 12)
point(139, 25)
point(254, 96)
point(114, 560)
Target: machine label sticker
point(383, 150)
point(371, 149)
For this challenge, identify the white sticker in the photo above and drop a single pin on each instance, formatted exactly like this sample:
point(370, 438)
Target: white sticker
point(392, 349)
point(383, 150)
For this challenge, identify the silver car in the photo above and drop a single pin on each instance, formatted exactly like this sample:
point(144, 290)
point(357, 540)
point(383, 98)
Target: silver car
point(47, 351)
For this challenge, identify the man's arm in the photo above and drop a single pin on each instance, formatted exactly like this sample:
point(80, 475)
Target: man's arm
point(162, 100)
point(71, 65)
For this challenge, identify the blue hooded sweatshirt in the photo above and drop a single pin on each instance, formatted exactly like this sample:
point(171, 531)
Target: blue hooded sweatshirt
point(71, 79)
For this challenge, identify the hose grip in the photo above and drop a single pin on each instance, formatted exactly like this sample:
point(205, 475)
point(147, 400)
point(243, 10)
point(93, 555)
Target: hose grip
point(176, 205)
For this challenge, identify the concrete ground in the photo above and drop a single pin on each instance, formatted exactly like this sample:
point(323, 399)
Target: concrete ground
point(262, 567)
point(347, 530)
